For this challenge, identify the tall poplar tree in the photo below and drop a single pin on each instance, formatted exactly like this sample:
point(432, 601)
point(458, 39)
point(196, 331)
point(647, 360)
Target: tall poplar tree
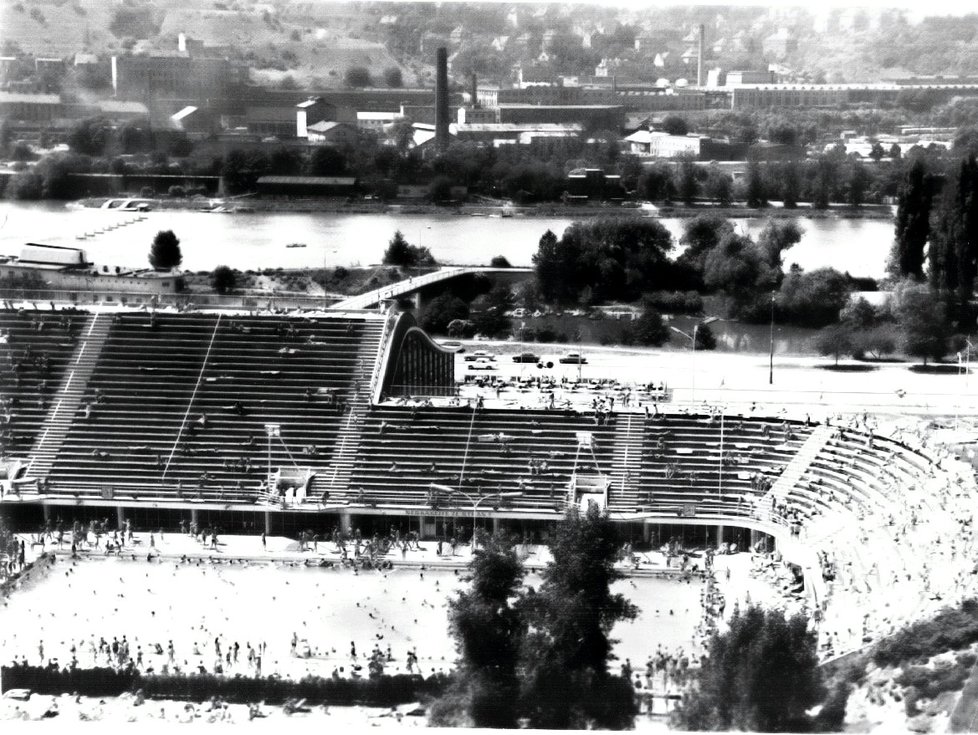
point(913, 220)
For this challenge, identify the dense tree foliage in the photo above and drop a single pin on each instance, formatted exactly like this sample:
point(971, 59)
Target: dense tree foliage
point(164, 253)
point(566, 683)
point(761, 675)
point(603, 259)
point(357, 76)
point(90, 136)
point(401, 252)
point(923, 321)
point(812, 298)
point(489, 631)
point(441, 311)
point(953, 252)
point(913, 220)
point(223, 279)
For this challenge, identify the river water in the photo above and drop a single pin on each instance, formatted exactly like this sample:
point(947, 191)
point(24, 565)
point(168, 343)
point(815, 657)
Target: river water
point(256, 241)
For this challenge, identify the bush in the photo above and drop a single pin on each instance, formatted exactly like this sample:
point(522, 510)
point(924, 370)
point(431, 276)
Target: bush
point(676, 302)
point(177, 191)
point(383, 691)
point(357, 76)
point(393, 77)
point(950, 629)
point(442, 311)
point(223, 279)
point(929, 682)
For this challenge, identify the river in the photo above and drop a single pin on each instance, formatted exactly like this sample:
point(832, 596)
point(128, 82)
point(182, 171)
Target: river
point(257, 241)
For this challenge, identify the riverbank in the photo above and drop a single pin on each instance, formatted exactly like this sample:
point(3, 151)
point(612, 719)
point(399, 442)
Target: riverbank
point(501, 209)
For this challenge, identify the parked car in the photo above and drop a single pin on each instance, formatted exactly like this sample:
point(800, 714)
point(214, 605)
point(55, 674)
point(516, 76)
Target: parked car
point(482, 364)
point(457, 346)
point(573, 358)
point(480, 355)
point(526, 357)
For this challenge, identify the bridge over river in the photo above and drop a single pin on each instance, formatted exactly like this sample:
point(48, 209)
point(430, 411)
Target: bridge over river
point(414, 284)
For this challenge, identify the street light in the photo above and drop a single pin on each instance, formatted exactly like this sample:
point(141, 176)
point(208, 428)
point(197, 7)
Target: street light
point(477, 501)
point(770, 374)
point(692, 339)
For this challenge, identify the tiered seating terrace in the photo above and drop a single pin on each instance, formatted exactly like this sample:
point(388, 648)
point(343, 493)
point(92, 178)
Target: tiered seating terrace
point(33, 340)
point(462, 447)
point(180, 403)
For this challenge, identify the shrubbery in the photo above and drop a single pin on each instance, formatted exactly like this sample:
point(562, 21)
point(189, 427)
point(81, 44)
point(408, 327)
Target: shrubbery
point(383, 691)
point(950, 629)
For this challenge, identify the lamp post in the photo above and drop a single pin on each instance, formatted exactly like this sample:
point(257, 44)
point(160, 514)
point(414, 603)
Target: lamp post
point(477, 501)
point(692, 339)
point(770, 374)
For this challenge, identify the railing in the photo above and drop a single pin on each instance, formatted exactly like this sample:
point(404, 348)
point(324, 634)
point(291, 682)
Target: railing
point(182, 300)
point(381, 352)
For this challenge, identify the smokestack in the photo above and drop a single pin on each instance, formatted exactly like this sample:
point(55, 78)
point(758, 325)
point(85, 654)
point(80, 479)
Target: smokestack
point(699, 58)
point(474, 90)
point(441, 99)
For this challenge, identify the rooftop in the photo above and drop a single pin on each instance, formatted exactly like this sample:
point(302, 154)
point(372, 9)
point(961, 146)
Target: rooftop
point(309, 180)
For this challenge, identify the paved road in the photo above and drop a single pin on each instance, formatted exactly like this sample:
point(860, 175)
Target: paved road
point(800, 383)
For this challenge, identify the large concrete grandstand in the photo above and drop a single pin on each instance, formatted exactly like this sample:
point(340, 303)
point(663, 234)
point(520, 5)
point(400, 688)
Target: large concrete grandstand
point(352, 419)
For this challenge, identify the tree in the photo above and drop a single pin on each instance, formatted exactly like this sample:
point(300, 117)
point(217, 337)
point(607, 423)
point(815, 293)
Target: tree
point(393, 77)
point(813, 299)
point(223, 279)
point(922, 321)
point(778, 236)
point(913, 220)
point(719, 187)
point(490, 318)
point(90, 136)
point(701, 234)
point(401, 252)
point(783, 132)
point(165, 252)
point(739, 269)
point(285, 162)
point(488, 631)
point(655, 184)
point(835, 341)
point(402, 134)
point(790, 184)
point(857, 184)
point(877, 152)
point(688, 186)
point(761, 675)
point(895, 152)
point(241, 169)
point(440, 189)
point(618, 258)
point(705, 339)
point(499, 261)
point(441, 310)
point(825, 172)
point(137, 21)
point(675, 125)
point(756, 196)
point(6, 135)
point(566, 683)
point(326, 161)
point(649, 329)
point(357, 76)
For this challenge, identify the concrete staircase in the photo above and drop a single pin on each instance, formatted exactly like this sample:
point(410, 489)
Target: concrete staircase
point(69, 397)
point(626, 461)
point(794, 470)
point(348, 438)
